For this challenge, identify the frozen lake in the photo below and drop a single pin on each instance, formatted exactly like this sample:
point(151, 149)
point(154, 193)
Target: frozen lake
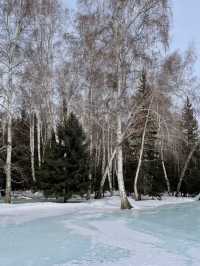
point(168, 235)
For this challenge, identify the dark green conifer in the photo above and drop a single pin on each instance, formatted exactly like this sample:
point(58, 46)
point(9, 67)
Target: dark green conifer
point(65, 168)
point(191, 182)
point(143, 100)
point(189, 124)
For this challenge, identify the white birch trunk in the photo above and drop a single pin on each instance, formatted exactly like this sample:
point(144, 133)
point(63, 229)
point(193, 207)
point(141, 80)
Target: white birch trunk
point(38, 138)
point(103, 153)
point(32, 145)
point(106, 170)
point(90, 99)
point(185, 167)
point(140, 156)
point(3, 131)
point(125, 204)
point(8, 159)
point(109, 168)
point(90, 169)
point(165, 171)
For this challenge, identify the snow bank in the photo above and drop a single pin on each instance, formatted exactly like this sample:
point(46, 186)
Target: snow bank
point(114, 202)
point(19, 213)
point(166, 200)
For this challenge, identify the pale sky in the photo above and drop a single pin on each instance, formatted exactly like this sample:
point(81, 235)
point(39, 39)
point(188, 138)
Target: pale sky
point(186, 26)
point(185, 29)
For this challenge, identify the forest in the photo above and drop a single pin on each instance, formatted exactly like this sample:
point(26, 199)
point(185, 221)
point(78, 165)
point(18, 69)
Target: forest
point(95, 100)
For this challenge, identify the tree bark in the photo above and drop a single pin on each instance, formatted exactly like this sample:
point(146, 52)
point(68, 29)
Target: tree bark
point(106, 171)
point(8, 159)
point(166, 178)
point(90, 166)
point(32, 145)
point(185, 167)
point(125, 204)
point(103, 152)
point(38, 138)
point(90, 100)
point(140, 156)
point(164, 171)
point(108, 155)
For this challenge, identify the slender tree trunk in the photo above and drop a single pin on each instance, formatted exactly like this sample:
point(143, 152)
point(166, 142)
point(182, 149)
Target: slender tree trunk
point(90, 163)
point(109, 165)
point(55, 133)
point(98, 153)
point(109, 169)
point(43, 142)
point(125, 204)
point(32, 145)
point(166, 178)
point(103, 153)
point(164, 171)
point(90, 171)
point(38, 138)
point(8, 159)
point(91, 145)
point(185, 167)
point(110, 182)
point(115, 172)
point(140, 156)
point(3, 131)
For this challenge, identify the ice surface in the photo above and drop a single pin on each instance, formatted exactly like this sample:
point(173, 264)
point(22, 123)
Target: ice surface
point(98, 233)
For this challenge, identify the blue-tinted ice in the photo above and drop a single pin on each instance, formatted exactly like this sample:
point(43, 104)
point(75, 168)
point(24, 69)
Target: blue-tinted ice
point(163, 236)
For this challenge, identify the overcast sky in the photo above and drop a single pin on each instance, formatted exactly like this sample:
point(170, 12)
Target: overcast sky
point(185, 26)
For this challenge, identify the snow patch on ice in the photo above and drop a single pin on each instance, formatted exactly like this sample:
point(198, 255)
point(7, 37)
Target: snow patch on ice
point(19, 213)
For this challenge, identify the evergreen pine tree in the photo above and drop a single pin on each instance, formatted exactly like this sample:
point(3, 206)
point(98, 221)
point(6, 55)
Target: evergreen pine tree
point(191, 182)
point(21, 169)
point(189, 124)
point(76, 155)
point(65, 168)
point(51, 175)
point(143, 99)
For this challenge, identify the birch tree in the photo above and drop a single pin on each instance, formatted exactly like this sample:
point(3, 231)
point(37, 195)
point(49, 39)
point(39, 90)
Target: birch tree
point(14, 22)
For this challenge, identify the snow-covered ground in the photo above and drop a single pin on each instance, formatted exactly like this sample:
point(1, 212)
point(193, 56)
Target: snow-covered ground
point(24, 212)
point(98, 233)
